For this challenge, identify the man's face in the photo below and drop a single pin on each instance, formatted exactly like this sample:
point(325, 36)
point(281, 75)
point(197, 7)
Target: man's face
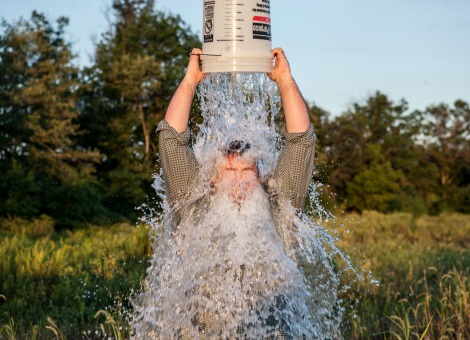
point(239, 176)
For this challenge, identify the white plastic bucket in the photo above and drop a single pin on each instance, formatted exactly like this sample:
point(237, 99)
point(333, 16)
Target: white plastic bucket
point(236, 36)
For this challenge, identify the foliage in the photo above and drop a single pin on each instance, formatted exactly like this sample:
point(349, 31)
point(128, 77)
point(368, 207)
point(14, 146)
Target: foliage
point(378, 156)
point(46, 170)
point(78, 283)
point(376, 186)
point(434, 313)
point(448, 147)
point(61, 280)
point(139, 64)
point(78, 145)
point(378, 121)
point(48, 97)
point(422, 268)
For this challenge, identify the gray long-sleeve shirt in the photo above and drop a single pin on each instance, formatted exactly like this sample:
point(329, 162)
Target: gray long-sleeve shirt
point(180, 167)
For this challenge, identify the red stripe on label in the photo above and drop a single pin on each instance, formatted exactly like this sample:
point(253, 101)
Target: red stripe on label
point(262, 19)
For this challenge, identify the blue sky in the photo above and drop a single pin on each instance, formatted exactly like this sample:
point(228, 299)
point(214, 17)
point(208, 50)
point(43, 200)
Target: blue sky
point(341, 51)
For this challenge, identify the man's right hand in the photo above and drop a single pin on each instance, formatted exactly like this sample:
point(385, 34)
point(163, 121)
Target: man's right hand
point(177, 114)
point(194, 73)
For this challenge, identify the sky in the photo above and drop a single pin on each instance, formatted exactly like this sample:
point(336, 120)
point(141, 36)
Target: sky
point(340, 51)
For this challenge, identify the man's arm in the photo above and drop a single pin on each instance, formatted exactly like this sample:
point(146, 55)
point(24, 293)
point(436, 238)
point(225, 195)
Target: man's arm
point(295, 110)
point(295, 165)
point(179, 164)
point(177, 114)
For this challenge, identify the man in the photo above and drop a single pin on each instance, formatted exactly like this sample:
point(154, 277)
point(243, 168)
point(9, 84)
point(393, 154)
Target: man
point(295, 165)
point(237, 180)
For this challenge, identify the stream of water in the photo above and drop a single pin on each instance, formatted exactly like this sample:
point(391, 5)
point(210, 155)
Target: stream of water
point(228, 270)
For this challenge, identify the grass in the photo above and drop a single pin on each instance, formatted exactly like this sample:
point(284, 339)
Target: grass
point(422, 265)
point(57, 282)
point(76, 284)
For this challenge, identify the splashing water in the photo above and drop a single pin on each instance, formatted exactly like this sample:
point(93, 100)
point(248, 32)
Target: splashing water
point(224, 268)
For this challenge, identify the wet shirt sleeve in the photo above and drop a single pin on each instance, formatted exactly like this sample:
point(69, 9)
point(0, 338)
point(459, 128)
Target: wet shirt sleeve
point(295, 166)
point(180, 167)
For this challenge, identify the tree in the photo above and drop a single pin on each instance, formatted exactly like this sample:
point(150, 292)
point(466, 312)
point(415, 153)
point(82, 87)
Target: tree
point(139, 64)
point(49, 97)
point(376, 186)
point(446, 142)
point(12, 74)
point(379, 122)
point(42, 100)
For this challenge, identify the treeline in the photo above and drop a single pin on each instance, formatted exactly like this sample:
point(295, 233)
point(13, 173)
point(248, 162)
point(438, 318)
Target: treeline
point(79, 144)
point(379, 156)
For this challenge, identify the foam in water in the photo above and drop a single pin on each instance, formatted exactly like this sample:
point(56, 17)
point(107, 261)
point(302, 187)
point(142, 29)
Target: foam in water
point(228, 268)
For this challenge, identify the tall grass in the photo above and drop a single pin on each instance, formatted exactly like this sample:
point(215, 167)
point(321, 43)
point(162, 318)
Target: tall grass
point(76, 284)
point(422, 265)
point(55, 283)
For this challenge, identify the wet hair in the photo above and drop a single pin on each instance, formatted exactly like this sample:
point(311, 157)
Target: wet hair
point(237, 148)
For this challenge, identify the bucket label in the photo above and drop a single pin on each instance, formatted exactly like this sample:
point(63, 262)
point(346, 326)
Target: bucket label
point(258, 18)
point(209, 21)
point(262, 6)
point(262, 20)
point(262, 31)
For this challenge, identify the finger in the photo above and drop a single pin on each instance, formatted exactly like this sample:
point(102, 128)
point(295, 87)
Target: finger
point(277, 51)
point(195, 52)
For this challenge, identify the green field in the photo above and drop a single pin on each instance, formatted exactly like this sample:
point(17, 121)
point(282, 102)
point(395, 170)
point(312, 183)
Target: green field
point(76, 284)
point(423, 266)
